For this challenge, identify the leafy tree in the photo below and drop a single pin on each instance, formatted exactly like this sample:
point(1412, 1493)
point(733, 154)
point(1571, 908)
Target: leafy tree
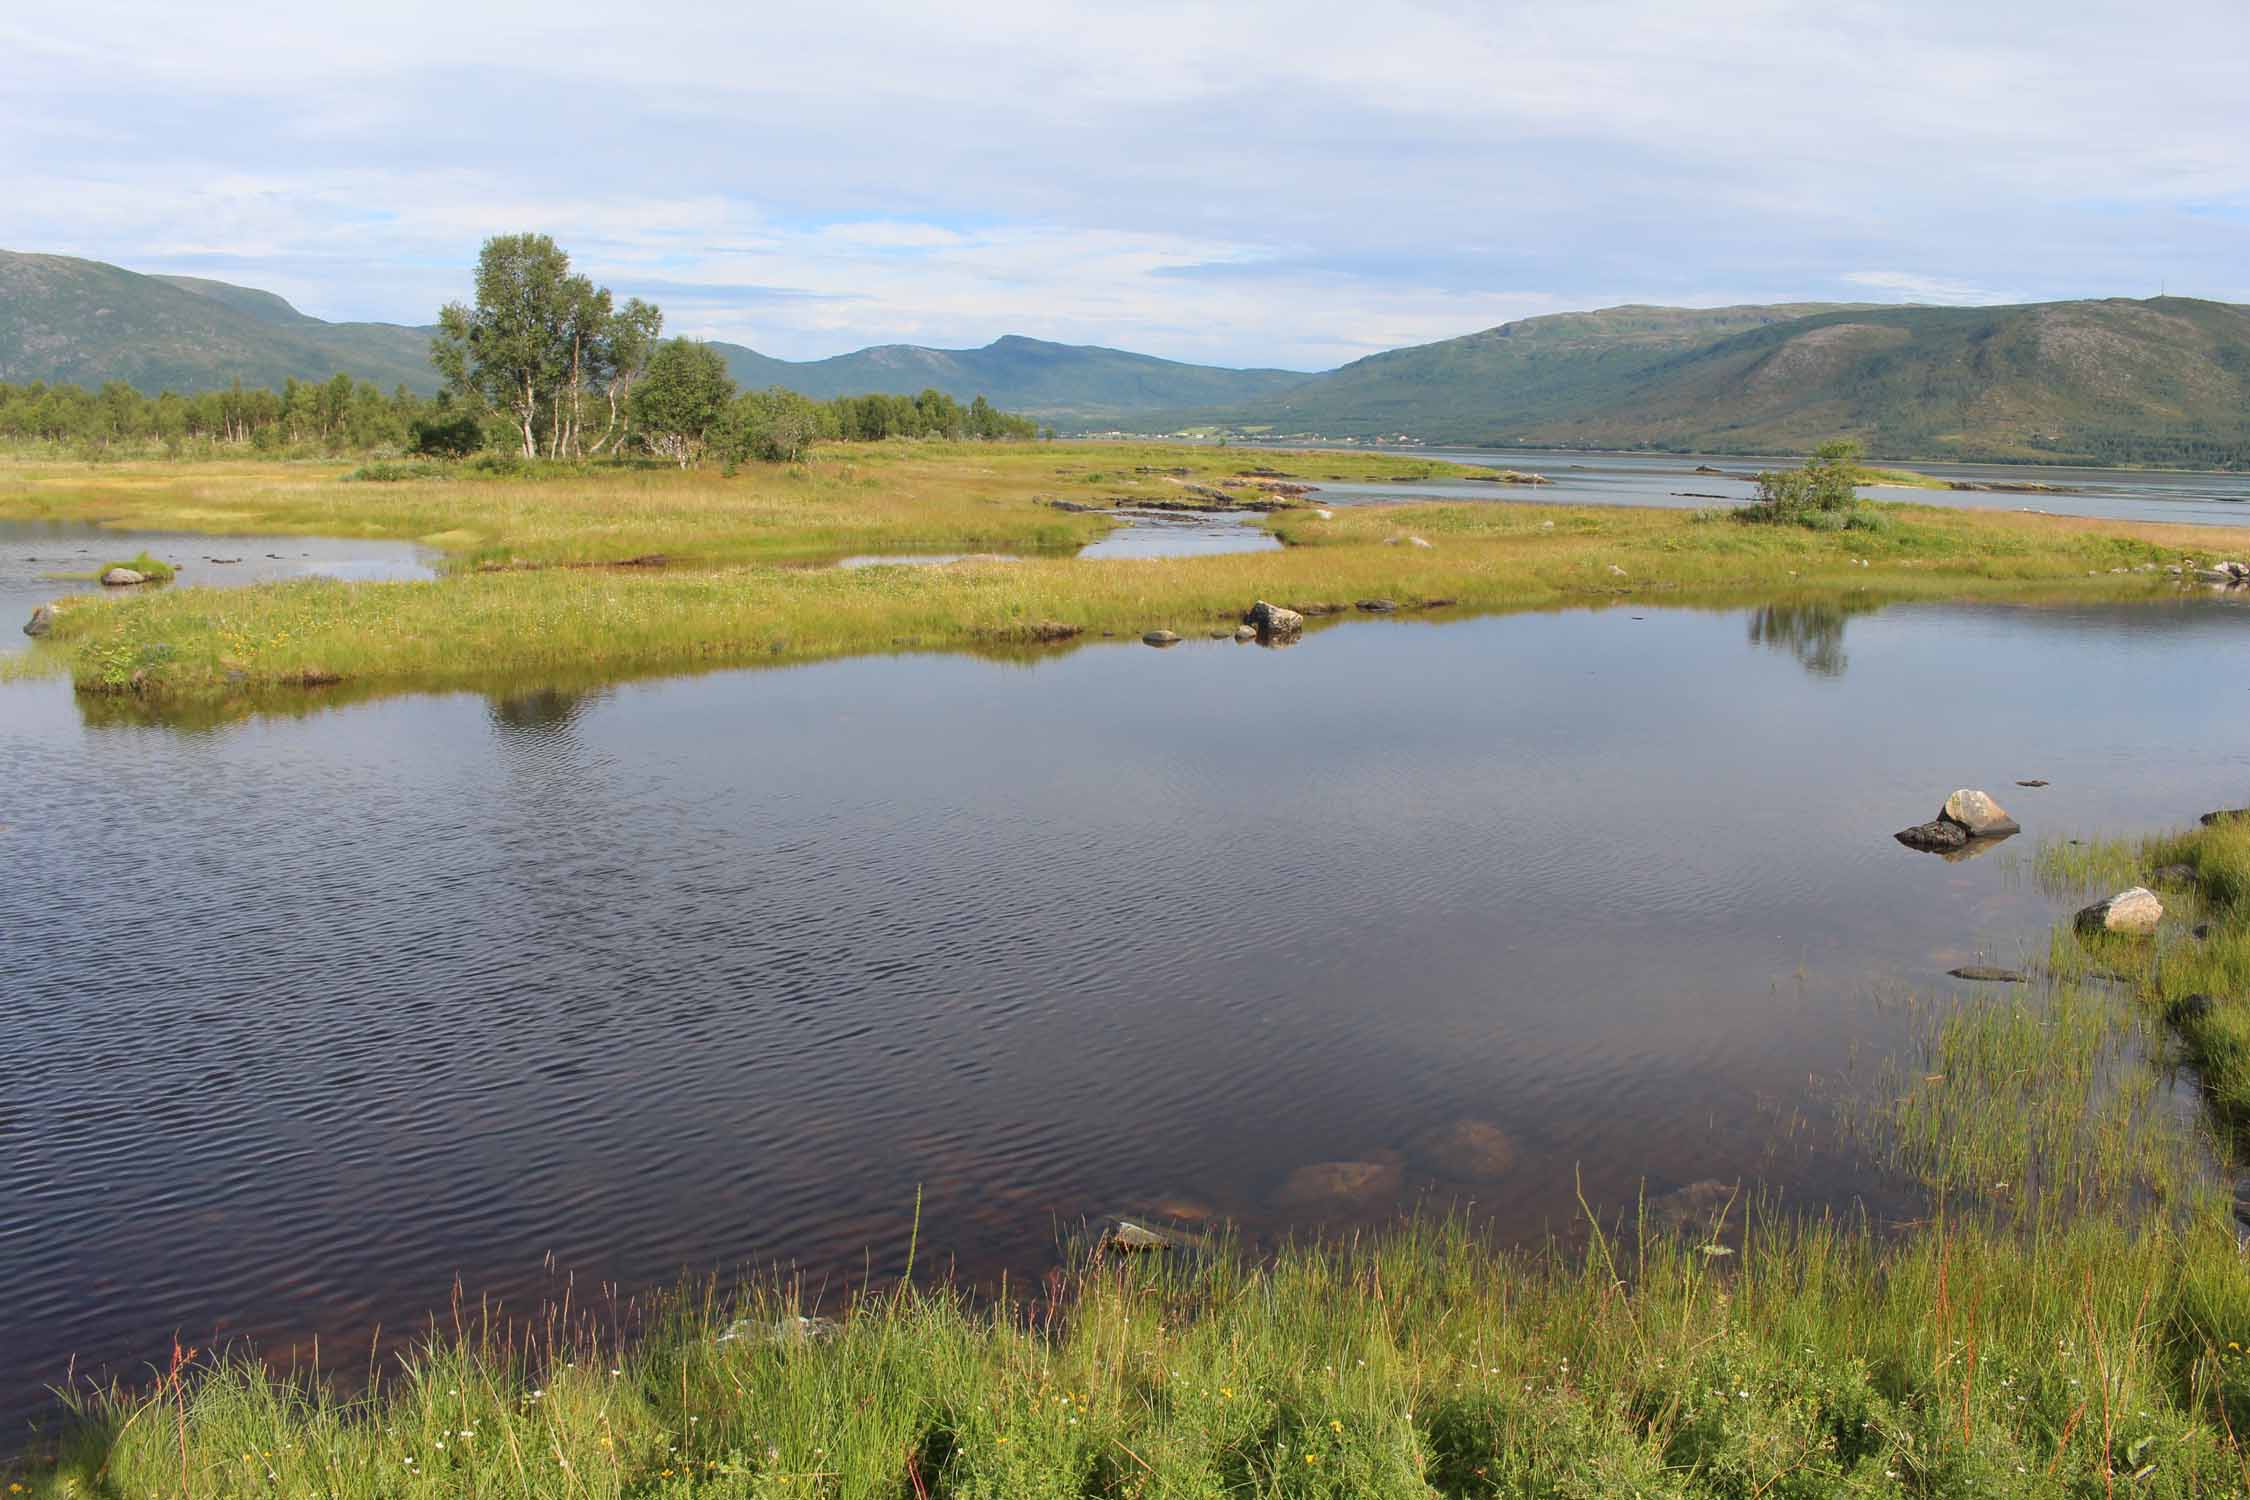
point(620, 358)
point(775, 424)
point(1822, 494)
point(448, 436)
point(682, 398)
point(522, 348)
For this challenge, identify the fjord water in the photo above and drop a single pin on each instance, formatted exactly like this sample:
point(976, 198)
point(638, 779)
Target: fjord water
point(309, 1016)
point(1672, 480)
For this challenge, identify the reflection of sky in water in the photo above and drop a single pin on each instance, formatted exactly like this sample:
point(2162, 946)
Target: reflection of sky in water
point(704, 970)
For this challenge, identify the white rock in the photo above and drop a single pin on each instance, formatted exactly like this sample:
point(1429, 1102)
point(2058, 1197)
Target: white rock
point(2135, 912)
point(1978, 813)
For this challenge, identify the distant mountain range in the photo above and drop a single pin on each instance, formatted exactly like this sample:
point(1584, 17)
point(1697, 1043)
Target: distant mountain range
point(2165, 380)
point(87, 323)
point(2160, 381)
point(1072, 384)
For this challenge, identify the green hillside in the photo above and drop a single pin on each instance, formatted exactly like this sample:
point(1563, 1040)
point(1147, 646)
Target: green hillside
point(1076, 382)
point(2165, 381)
point(81, 321)
point(2162, 381)
point(87, 323)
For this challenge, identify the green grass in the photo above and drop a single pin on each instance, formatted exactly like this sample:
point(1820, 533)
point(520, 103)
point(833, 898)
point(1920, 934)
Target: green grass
point(1818, 1360)
point(1897, 478)
point(154, 569)
point(533, 583)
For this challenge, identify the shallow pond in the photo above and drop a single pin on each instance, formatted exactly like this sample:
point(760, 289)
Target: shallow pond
point(1673, 480)
point(1165, 534)
point(309, 1015)
point(33, 552)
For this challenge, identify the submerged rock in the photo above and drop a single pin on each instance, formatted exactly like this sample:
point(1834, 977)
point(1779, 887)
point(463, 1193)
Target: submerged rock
point(2225, 815)
point(1339, 1183)
point(1696, 1208)
point(1978, 813)
point(42, 620)
point(1135, 1233)
point(2133, 912)
point(1378, 606)
point(1160, 638)
point(2034, 781)
point(1989, 974)
point(1054, 630)
point(1934, 837)
point(1270, 620)
point(1245, 633)
point(120, 578)
point(1469, 1150)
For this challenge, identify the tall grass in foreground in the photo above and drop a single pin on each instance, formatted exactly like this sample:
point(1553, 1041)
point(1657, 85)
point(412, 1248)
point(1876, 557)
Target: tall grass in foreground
point(2082, 1358)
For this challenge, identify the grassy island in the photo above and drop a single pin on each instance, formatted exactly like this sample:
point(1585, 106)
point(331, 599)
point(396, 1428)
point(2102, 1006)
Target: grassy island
point(619, 569)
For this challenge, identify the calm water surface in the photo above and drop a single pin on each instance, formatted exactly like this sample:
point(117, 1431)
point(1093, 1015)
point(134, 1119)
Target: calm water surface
point(1672, 480)
point(308, 1016)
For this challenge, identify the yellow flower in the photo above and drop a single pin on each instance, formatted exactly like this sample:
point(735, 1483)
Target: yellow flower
point(1227, 1391)
point(1312, 1458)
point(1336, 1426)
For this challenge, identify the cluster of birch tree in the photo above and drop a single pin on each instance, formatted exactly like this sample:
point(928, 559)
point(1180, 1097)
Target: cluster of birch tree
point(544, 345)
point(554, 354)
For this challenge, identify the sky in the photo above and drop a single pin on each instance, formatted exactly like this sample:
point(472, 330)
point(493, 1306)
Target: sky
point(1290, 185)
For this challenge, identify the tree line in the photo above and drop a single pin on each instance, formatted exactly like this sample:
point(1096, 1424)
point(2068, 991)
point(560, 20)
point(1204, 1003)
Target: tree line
point(543, 362)
point(338, 415)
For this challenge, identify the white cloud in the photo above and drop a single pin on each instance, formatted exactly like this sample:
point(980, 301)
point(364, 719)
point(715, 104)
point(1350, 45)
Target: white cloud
point(1373, 173)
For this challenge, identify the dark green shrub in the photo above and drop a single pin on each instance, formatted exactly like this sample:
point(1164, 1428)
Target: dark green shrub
point(442, 436)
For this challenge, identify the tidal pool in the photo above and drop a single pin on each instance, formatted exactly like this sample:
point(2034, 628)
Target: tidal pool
point(310, 1015)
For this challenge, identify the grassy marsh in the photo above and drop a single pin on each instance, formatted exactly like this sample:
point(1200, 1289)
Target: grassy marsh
point(560, 573)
